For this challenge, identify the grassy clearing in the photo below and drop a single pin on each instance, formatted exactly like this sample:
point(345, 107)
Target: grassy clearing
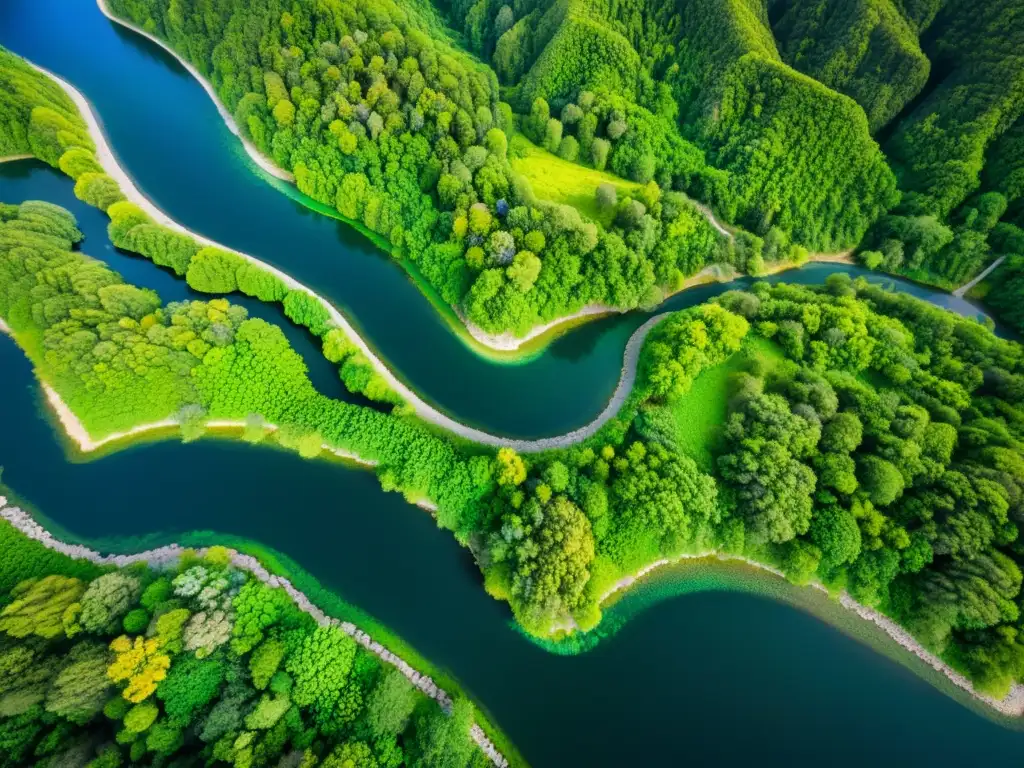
point(560, 181)
point(699, 415)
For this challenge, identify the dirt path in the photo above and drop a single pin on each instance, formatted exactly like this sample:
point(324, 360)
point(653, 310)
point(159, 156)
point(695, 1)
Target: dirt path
point(963, 289)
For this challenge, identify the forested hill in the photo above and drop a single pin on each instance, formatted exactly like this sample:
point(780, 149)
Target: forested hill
point(867, 49)
point(788, 151)
point(788, 98)
point(809, 125)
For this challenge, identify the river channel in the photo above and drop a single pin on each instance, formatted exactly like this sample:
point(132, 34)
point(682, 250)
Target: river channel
point(718, 677)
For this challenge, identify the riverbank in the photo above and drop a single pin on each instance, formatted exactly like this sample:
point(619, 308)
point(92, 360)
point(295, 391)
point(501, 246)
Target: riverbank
point(14, 158)
point(108, 160)
point(167, 556)
point(1012, 705)
point(85, 443)
point(250, 148)
point(506, 343)
point(713, 273)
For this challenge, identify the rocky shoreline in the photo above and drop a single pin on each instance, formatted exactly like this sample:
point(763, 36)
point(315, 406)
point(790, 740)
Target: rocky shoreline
point(250, 148)
point(167, 556)
point(1012, 705)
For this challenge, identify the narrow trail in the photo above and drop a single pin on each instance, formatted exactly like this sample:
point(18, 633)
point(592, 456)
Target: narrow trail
point(168, 556)
point(712, 220)
point(963, 289)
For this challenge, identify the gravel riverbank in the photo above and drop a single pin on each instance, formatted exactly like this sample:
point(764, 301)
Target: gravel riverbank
point(1011, 705)
point(165, 557)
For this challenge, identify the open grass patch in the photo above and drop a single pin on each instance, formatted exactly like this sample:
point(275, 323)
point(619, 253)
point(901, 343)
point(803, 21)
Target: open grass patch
point(699, 415)
point(560, 181)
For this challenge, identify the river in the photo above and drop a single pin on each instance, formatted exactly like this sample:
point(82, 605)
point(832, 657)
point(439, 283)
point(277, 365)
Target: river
point(170, 138)
point(719, 677)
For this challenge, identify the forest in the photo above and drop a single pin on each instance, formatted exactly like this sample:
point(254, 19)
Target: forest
point(196, 661)
point(866, 440)
point(870, 442)
point(380, 115)
point(810, 126)
point(120, 358)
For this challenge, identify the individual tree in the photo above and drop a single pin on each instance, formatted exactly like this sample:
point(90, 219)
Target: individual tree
point(106, 600)
point(81, 688)
point(441, 741)
point(38, 606)
point(212, 270)
point(390, 705)
point(140, 664)
point(191, 685)
point(320, 668)
point(524, 270)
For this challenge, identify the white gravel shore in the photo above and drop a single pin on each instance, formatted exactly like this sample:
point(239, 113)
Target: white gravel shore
point(250, 148)
point(1012, 705)
point(165, 557)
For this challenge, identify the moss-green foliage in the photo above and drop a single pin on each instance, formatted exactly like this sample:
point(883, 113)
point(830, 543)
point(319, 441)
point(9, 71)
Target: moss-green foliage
point(939, 150)
point(26, 558)
point(36, 116)
point(696, 419)
point(98, 190)
point(714, 69)
point(686, 344)
point(380, 117)
point(69, 690)
point(583, 53)
point(117, 357)
point(77, 162)
point(891, 473)
point(212, 270)
point(1007, 289)
point(560, 181)
point(863, 48)
point(817, 173)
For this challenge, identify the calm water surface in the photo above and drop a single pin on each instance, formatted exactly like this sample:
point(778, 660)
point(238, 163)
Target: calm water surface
point(170, 138)
point(713, 678)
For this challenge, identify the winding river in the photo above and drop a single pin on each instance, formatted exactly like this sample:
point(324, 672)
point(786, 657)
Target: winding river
point(170, 138)
point(725, 678)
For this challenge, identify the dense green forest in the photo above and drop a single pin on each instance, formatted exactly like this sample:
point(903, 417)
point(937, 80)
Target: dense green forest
point(119, 358)
point(381, 116)
point(195, 661)
point(784, 153)
point(861, 438)
point(956, 151)
point(812, 125)
point(870, 441)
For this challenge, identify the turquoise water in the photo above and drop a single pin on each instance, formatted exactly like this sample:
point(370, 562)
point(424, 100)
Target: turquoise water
point(720, 677)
